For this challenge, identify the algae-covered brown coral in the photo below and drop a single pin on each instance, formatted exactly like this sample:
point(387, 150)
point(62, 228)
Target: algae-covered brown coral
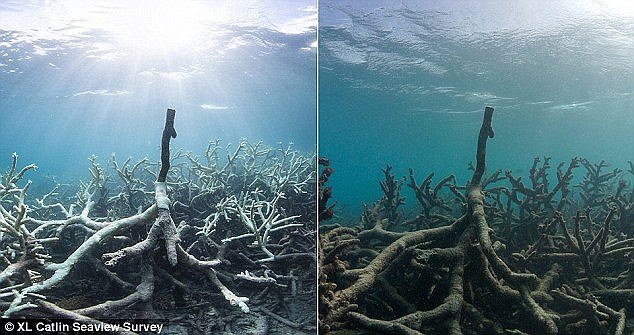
point(496, 256)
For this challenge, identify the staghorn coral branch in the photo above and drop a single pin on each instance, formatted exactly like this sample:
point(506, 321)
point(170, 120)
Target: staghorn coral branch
point(260, 217)
point(61, 270)
point(109, 217)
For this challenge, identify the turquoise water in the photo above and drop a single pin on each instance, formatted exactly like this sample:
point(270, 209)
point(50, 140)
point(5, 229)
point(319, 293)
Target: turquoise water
point(79, 78)
point(405, 84)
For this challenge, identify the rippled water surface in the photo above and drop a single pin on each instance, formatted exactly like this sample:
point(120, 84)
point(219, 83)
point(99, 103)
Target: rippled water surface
point(405, 83)
point(95, 77)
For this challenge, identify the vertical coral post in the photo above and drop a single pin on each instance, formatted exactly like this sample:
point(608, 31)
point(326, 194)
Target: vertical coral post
point(486, 132)
point(168, 133)
point(160, 190)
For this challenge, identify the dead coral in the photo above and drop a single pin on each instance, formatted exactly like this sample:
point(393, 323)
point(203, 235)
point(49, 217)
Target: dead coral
point(325, 211)
point(510, 264)
point(121, 250)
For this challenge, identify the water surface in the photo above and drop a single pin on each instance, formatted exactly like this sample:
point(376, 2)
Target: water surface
point(79, 78)
point(405, 83)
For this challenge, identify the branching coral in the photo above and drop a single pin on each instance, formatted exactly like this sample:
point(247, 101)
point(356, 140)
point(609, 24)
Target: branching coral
point(392, 198)
point(325, 211)
point(385, 211)
point(431, 199)
point(260, 217)
point(181, 231)
point(531, 275)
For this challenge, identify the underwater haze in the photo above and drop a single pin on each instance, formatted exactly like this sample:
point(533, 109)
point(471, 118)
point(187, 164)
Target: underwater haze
point(405, 83)
point(79, 78)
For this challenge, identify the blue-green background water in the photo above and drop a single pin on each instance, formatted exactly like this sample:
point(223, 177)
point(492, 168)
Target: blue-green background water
point(79, 78)
point(405, 83)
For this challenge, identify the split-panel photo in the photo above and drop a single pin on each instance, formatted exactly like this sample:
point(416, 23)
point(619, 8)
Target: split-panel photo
point(323, 167)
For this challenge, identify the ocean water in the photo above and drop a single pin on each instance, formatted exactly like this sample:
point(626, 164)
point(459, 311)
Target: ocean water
point(405, 83)
point(82, 78)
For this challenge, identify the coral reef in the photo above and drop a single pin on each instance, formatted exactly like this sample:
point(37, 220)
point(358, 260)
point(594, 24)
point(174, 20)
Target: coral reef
point(325, 211)
point(158, 240)
point(552, 255)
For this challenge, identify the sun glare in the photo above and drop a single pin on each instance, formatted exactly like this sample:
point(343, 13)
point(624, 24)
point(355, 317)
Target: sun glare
point(161, 26)
point(620, 7)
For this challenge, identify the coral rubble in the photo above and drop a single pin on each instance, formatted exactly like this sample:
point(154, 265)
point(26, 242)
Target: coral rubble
point(499, 255)
point(136, 242)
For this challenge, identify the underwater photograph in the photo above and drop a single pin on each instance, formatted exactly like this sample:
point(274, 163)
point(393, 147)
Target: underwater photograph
point(476, 169)
point(158, 168)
